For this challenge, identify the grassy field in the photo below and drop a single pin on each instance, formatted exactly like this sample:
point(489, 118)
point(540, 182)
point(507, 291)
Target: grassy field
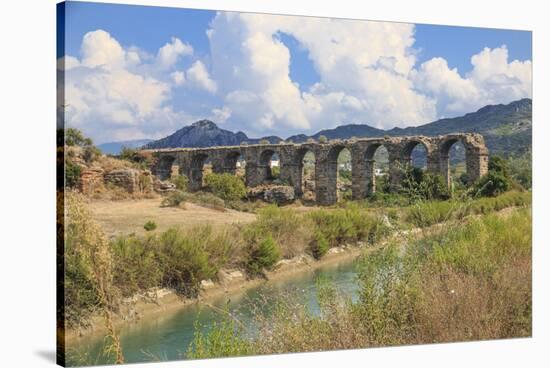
point(129, 216)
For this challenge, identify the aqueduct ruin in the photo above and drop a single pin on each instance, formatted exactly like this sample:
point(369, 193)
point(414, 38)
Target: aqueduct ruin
point(224, 160)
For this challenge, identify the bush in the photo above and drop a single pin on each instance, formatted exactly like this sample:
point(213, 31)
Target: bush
point(74, 137)
point(186, 258)
point(497, 164)
point(72, 174)
point(150, 225)
point(136, 267)
point(423, 186)
point(140, 159)
point(262, 255)
point(350, 224)
point(226, 186)
point(491, 185)
point(181, 182)
point(174, 199)
point(323, 139)
point(264, 141)
point(319, 246)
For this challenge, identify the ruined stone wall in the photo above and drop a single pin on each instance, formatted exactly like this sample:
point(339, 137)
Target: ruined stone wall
point(258, 170)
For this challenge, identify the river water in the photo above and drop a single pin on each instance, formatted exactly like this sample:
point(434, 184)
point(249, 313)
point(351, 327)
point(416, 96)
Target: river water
point(167, 337)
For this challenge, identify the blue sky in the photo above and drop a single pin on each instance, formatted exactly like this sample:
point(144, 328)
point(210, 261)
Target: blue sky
point(275, 75)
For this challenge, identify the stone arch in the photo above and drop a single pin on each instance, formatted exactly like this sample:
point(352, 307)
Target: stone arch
point(163, 168)
point(301, 186)
point(476, 156)
point(196, 170)
point(230, 162)
point(371, 166)
point(264, 163)
point(409, 146)
point(326, 175)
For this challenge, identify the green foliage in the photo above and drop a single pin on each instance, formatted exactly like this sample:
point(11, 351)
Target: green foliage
point(420, 185)
point(319, 246)
point(275, 172)
point(174, 199)
point(140, 159)
point(496, 181)
point(226, 186)
point(180, 181)
point(499, 165)
point(428, 213)
point(74, 137)
point(136, 264)
point(264, 141)
point(348, 225)
point(262, 255)
point(72, 174)
point(150, 226)
point(225, 339)
point(521, 169)
point(91, 153)
point(323, 139)
point(186, 258)
point(491, 185)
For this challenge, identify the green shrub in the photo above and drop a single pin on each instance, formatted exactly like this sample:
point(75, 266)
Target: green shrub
point(150, 226)
point(74, 137)
point(319, 246)
point(181, 182)
point(350, 224)
point(209, 200)
point(226, 186)
point(262, 255)
point(174, 199)
point(491, 185)
point(323, 139)
point(499, 165)
point(419, 185)
point(72, 174)
point(186, 258)
point(136, 264)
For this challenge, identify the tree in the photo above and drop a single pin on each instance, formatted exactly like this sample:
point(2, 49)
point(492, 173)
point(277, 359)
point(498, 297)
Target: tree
point(264, 141)
point(323, 139)
point(74, 137)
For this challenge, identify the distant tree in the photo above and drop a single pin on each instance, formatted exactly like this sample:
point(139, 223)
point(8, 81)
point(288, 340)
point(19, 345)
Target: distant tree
point(74, 137)
point(323, 139)
point(264, 141)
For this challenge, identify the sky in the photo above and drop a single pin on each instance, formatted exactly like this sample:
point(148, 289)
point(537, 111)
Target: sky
point(133, 72)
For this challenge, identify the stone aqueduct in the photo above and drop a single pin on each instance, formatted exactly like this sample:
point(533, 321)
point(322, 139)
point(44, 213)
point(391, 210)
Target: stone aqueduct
point(258, 170)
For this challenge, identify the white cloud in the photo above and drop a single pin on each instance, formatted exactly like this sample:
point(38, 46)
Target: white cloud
point(492, 80)
point(178, 77)
point(368, 74)
point(111, 93)
point(169, 54)
point(198, 75)
point(363, 67)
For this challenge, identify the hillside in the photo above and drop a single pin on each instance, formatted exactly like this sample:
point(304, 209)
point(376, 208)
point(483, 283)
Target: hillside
point(204, 133)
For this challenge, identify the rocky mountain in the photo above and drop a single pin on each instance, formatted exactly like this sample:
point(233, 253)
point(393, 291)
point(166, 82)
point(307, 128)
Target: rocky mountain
point(114, 148)
point(205, 133)
point(507, 130)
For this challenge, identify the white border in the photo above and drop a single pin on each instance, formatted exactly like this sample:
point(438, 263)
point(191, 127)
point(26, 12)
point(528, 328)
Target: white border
point(27, 180)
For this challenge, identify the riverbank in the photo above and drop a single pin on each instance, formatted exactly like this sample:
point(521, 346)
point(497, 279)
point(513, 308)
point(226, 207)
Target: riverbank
point(233, 282)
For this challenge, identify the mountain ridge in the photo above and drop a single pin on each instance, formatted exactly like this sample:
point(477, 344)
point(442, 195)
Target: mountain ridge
point(507, 129)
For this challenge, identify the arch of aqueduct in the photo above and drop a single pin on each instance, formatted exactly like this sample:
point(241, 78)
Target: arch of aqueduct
point(257, 171)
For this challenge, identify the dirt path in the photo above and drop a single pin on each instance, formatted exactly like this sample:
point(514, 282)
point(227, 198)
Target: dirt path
point(129, 216)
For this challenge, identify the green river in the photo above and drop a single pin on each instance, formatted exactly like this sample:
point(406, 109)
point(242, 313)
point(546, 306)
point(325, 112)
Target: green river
point(167, 337)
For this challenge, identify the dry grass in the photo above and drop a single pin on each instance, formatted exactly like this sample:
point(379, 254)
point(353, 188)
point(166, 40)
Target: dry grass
point(129, 216)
